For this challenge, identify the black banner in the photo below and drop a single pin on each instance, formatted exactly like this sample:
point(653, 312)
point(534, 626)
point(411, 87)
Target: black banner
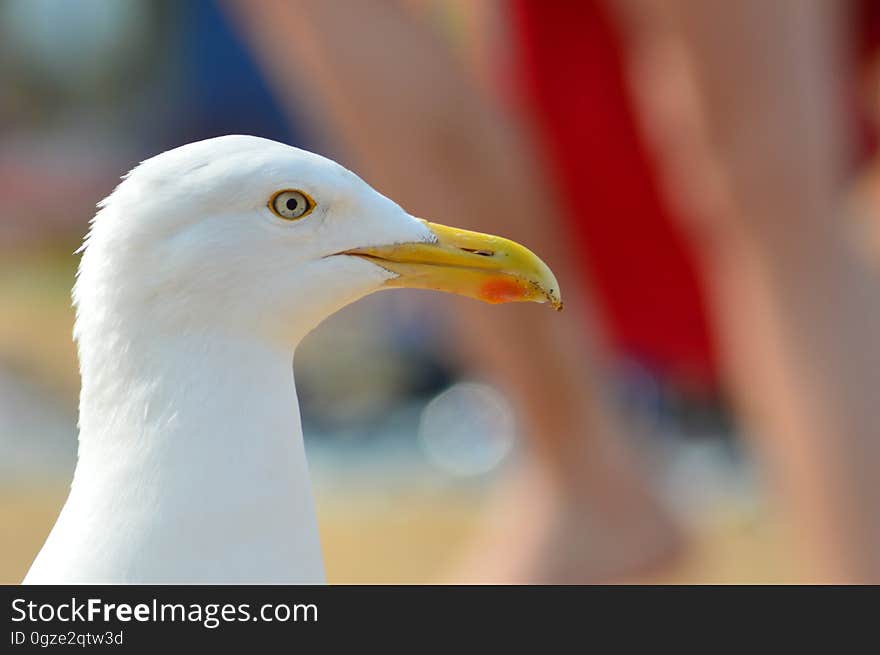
point(239, 617)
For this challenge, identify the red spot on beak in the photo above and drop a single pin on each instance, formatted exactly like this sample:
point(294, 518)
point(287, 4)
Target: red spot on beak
point(501, 289)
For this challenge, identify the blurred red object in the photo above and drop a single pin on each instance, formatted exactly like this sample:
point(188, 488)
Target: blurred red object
point(570, 69)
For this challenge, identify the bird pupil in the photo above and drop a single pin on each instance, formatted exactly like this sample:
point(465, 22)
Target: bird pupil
point(292, 204)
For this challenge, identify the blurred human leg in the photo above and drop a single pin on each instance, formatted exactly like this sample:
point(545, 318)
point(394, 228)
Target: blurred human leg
point(575, 507)
point(798, 311)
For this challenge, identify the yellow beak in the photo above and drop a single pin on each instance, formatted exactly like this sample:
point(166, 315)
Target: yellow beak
point(481, 266)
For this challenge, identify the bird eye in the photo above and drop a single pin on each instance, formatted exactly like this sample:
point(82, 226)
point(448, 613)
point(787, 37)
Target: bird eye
point(291, 205)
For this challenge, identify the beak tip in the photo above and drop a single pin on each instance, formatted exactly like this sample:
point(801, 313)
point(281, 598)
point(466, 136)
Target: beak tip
point(551, 295)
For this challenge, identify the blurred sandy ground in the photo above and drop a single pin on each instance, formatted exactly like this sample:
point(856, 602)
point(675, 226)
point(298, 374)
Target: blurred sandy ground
point(370, 538)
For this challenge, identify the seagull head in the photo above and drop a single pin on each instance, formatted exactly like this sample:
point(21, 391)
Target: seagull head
point(199, 275)
point(259, 238)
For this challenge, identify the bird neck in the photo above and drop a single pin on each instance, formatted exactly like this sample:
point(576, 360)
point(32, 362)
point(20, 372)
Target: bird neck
point(199, 439)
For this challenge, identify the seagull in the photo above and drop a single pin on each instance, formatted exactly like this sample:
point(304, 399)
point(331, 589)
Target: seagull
point(199, 276)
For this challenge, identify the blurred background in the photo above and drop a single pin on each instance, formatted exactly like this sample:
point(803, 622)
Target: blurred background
point(709, 412)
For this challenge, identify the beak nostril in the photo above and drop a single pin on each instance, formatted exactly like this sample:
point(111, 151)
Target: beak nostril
point(481, 253)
